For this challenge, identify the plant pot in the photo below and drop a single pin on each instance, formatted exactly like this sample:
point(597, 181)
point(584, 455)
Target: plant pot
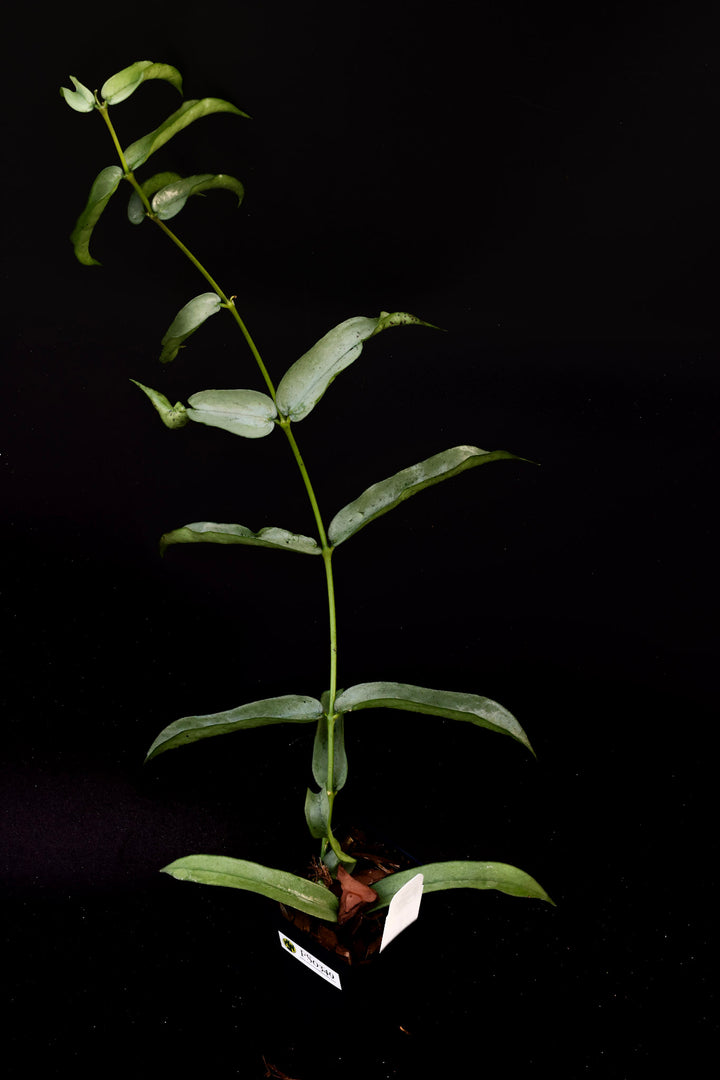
point(356, 938)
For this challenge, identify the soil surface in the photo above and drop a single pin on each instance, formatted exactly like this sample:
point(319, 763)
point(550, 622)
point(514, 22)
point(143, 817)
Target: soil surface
point(357, 935)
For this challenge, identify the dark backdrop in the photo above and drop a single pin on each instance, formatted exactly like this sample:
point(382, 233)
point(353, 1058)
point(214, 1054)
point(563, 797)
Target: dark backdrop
point(542, 185)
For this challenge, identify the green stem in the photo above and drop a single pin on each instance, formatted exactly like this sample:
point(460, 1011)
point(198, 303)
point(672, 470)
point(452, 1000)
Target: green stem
point(285, 424)
point(229, 302)
point(327, 551)
point(102, 109)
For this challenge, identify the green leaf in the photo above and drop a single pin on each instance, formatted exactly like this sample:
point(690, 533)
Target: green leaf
point(102, 190)
point(186, 322)
point(172, 416)
point(317, 812)
point(138, 152)
point(80, 99)
point(289, 889)
point(306, 381)
point(389, 319)
point(136, 207)
point(379, 498)
point(170, 200)
point(288, 709)
point(120, 86)
point(241, 412)
point(320, 753)
point(338, 856)
point(213, 532)
point(447, 703)
point(462, 875)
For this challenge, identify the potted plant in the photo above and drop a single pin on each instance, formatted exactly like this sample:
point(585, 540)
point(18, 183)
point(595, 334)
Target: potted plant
point(350, 883)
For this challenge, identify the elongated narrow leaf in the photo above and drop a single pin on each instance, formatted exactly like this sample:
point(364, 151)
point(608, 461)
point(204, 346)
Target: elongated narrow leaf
point(320, 753)
point(462, 875)
point(288, 709)
point(289, 889)
point(138, 152)
point(306, 381)
point(447, 703)
point(80, 99)
point(241, 412)
point(136, 207)
point(172, 416)
point(121, 85)
point(317, 812)
point(104, 186)
point(186, 322)
point(379, 498)
point(213, 532)
point(170, 199)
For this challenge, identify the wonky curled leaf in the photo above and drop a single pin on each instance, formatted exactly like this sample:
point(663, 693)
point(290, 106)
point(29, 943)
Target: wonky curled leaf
point(103, 188)
point(170, 199)
point(214, 532)
point(138, 152)
point(136, 207)
point(121, 85)
point(172, 416)
point(186, 322)
point(80, 99)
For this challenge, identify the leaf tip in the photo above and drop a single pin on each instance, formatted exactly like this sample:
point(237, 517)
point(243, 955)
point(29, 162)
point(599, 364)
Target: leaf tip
point(172, 871)
point(82, 255)
point(151, 754)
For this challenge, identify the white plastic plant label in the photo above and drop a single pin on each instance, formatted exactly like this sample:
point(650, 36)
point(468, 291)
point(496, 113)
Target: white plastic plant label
point(309, 960)
point(404, 909)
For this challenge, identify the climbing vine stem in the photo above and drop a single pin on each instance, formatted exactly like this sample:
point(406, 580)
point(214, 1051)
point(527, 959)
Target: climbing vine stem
point(286, 425)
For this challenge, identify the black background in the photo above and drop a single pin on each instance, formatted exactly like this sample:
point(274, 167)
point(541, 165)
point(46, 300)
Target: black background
point(543, 185)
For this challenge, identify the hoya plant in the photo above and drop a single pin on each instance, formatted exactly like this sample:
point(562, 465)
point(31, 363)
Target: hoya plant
point(258, 412)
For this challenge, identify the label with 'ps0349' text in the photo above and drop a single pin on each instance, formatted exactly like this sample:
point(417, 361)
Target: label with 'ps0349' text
point(309, 960)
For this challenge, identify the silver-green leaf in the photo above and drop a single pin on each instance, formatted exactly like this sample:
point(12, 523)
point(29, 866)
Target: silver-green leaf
point(170, 199)
point(446, 703)
point(320, 753)
point(172, 416)
point(288, 709)
point(213, 532)
point(317, 812)
point(289, 889)
point(186, 322)
point(242, 412)
point(139, 151)
point(306, 381)
point(104, 186)
point(136, 207)
point(462, 875)
point(379, 498)
point(80, 99)
point(124, 83)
